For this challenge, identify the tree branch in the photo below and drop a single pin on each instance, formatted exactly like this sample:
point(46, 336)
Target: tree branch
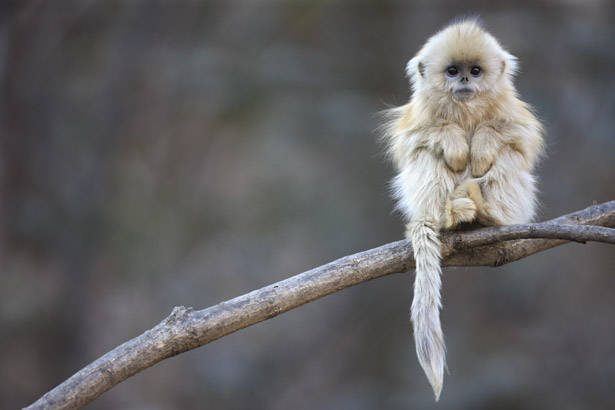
point(186, 329)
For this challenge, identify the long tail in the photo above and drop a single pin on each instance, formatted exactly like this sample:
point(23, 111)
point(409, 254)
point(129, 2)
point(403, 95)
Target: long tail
point(425, 311)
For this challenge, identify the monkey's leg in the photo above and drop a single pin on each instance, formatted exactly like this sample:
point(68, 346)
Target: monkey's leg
point(423, 189)
point(508, 190)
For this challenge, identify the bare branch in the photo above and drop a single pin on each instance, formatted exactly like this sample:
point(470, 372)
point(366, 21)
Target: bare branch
point(577, 233)
point(186, 329)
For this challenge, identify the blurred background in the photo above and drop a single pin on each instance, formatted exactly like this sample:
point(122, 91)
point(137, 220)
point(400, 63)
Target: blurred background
point(159, 153)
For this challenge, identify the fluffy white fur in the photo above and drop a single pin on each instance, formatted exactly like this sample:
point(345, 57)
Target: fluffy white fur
point(459, 160)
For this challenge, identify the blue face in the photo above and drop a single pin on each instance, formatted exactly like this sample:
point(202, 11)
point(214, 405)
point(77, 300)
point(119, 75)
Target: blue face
point(462, 78)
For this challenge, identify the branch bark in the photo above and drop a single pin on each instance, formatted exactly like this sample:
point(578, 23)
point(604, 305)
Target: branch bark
point(187, 329)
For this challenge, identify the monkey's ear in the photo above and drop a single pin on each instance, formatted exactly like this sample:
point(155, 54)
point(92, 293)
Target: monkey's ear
point(415, 67)
point(421, 69)
point(509, 64)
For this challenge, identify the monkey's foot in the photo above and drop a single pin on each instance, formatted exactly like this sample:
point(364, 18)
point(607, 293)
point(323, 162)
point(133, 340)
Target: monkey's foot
point(458, 210)
point(471, 189)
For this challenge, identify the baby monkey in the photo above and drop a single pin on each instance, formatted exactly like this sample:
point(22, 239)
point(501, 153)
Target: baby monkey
point(464, 148)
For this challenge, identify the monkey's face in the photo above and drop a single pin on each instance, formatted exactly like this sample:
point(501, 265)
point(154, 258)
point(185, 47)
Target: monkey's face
point(463, 80)
point(462, 64)
point(460, 77)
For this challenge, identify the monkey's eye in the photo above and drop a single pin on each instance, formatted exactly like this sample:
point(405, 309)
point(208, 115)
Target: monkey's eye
point(452, 71)
point(475, 71)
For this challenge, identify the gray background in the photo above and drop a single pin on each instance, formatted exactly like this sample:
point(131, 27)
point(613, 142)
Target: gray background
point(159, 153)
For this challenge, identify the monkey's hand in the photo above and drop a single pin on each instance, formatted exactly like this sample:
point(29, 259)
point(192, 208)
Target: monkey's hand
point(455, 147)
point(484, 148)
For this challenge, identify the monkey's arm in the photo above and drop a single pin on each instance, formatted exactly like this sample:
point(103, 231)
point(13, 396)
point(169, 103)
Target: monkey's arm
point(446, 140)
point(486, 143)
point(502, 157)
point(508, 189)
point(523, 135)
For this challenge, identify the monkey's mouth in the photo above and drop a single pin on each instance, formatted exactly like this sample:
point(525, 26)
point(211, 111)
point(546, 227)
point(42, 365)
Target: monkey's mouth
point(463, 93)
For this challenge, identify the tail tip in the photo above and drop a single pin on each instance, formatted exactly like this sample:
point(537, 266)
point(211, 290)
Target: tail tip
point(436, 391)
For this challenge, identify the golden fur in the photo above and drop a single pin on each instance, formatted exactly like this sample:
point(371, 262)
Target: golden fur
point(464, 148)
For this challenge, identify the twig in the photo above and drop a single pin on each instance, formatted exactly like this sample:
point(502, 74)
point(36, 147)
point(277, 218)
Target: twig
point(186, 329)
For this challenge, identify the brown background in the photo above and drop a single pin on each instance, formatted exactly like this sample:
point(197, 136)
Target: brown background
point(159, 153)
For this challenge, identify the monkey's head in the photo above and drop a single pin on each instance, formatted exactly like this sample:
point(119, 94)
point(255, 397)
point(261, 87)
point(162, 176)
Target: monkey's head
point(462, 63)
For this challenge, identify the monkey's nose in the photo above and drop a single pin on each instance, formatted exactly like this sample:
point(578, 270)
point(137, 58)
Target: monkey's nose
point(464, 79)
